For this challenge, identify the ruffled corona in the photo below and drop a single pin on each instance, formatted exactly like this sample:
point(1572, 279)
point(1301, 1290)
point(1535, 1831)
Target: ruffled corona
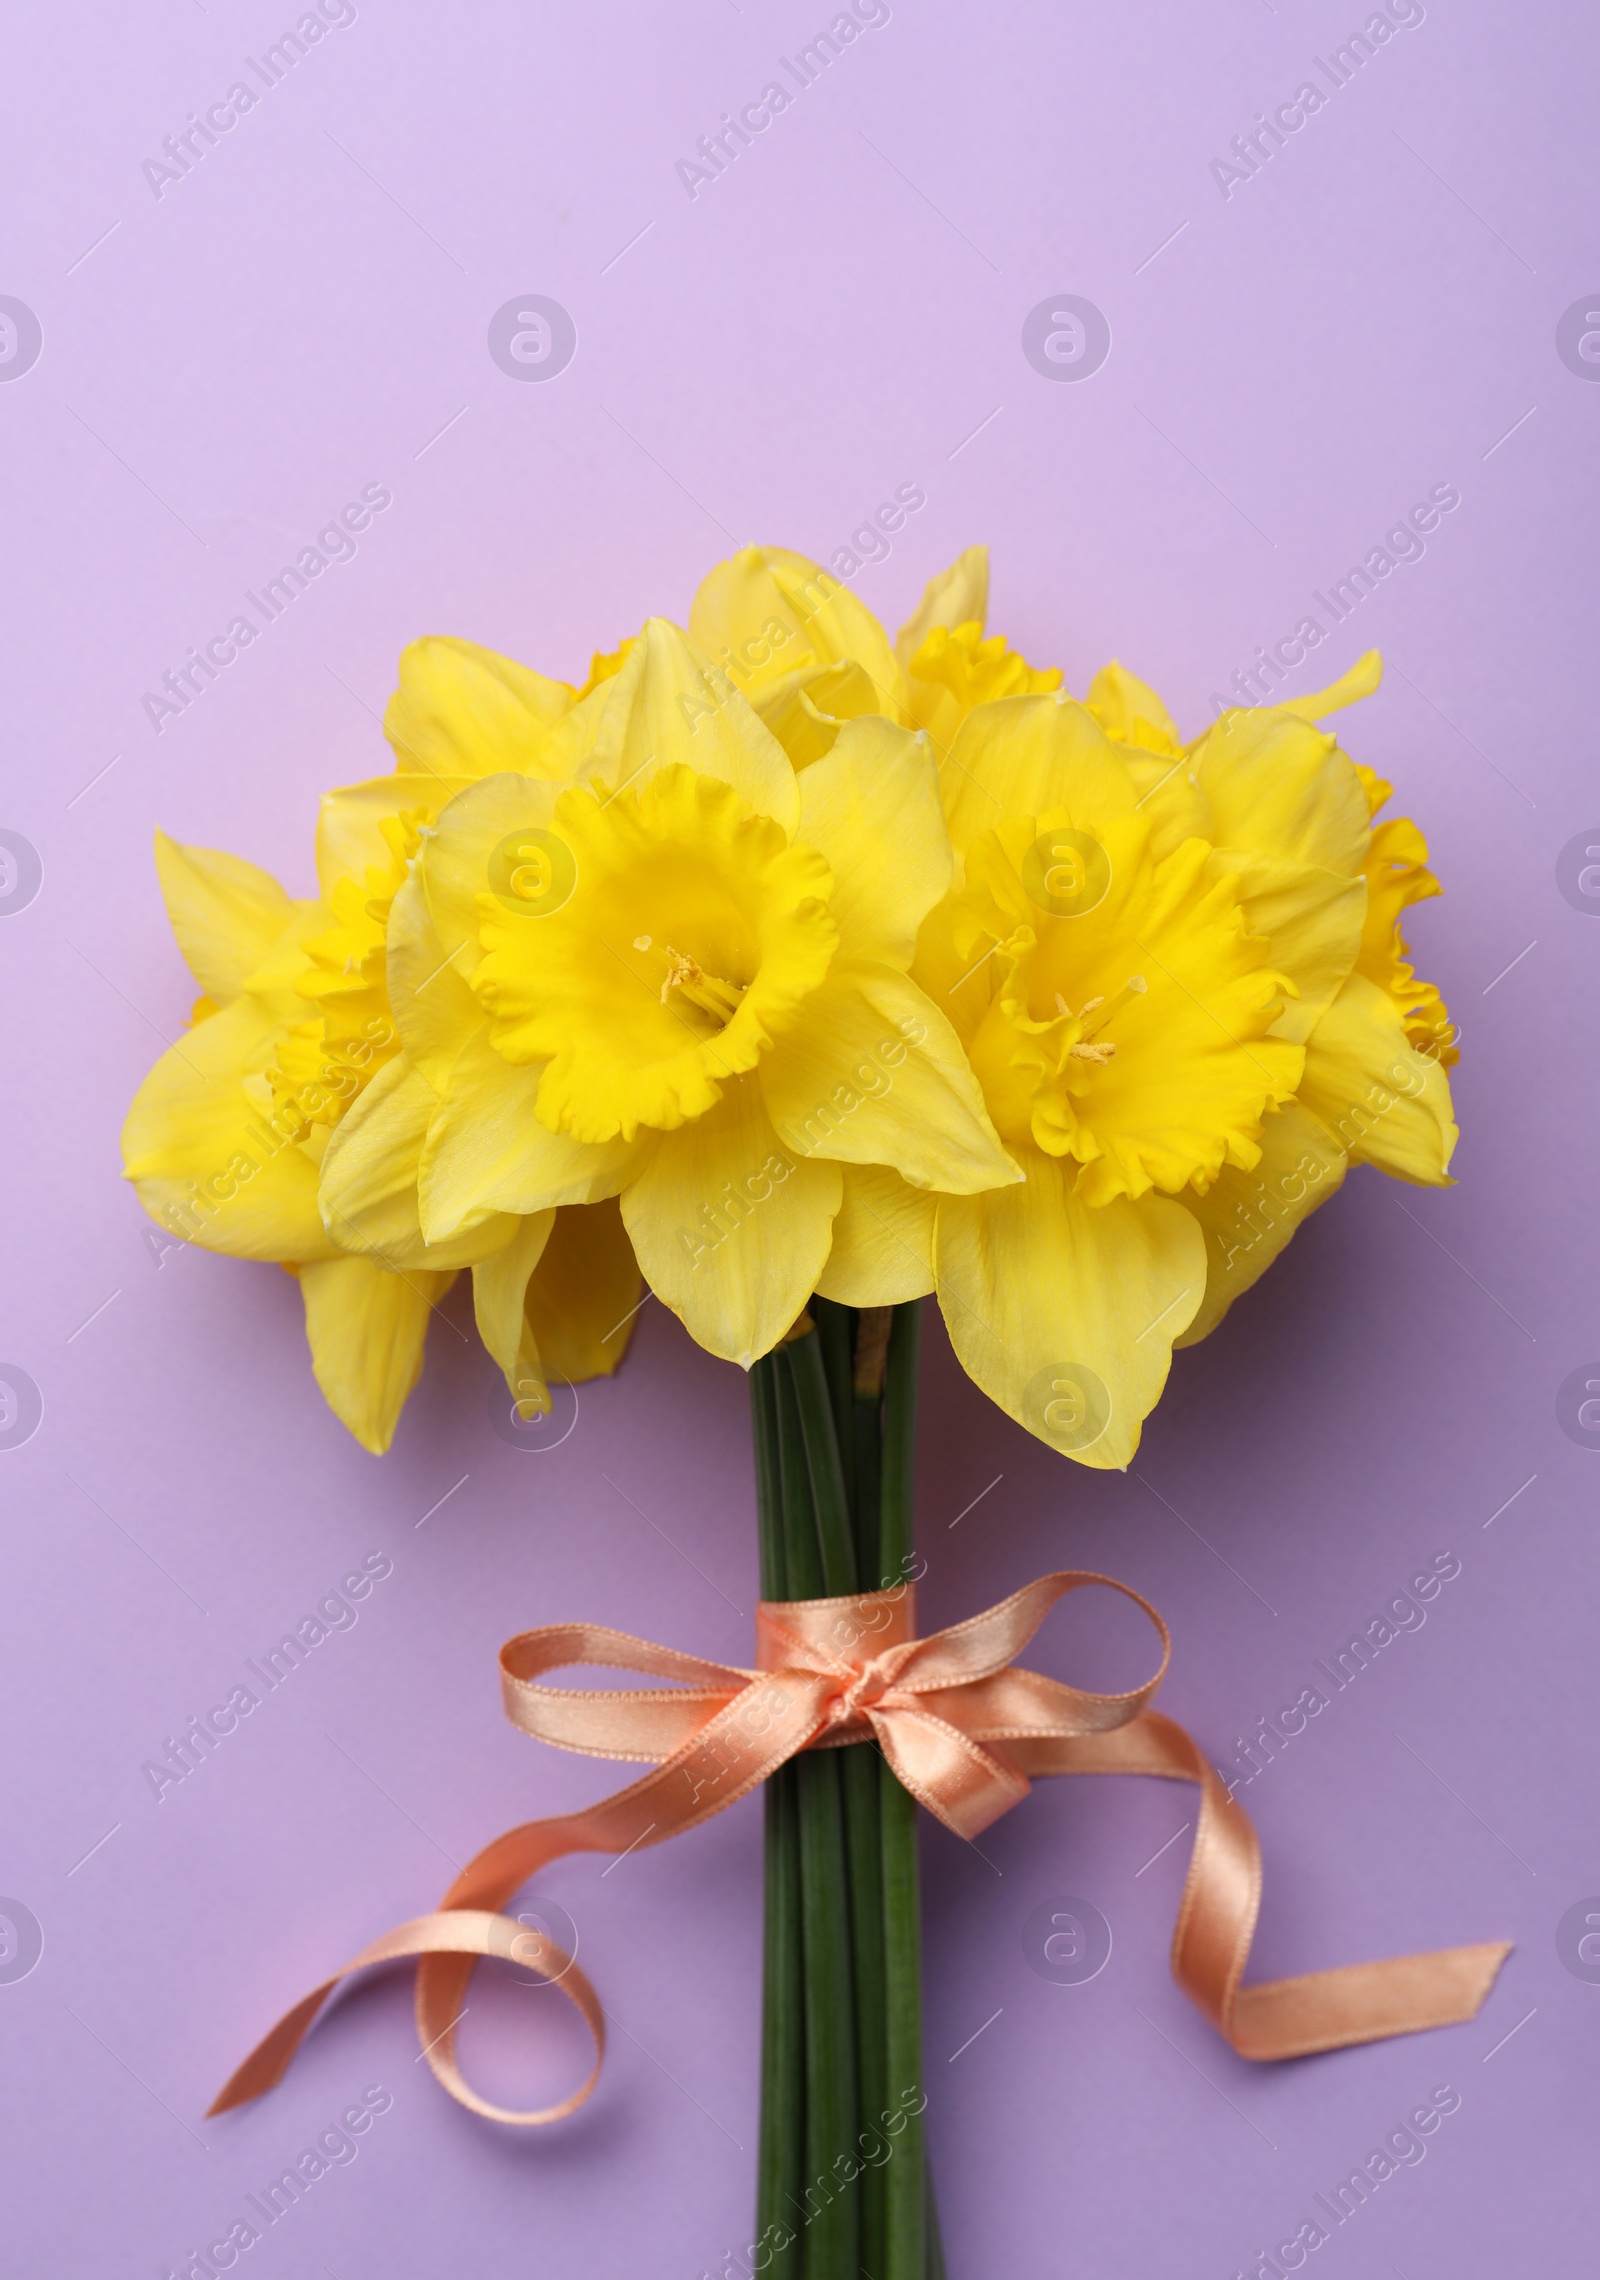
point(1147, 1079)
point(693, 934)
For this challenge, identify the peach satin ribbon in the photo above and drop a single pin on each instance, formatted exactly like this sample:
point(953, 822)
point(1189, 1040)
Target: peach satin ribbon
point(963, 1729)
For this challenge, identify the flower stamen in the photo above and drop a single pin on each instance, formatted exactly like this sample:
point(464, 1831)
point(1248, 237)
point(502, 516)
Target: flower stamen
point(1134, 986)
point(1086, 1048)
point(707, 991)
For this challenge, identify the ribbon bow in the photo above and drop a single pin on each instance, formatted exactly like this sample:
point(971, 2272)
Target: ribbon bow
point(963, 1728)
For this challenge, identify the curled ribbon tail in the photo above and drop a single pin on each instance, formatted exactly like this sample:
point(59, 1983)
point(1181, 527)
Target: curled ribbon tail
point(462, 1933)
point(1282, 2018)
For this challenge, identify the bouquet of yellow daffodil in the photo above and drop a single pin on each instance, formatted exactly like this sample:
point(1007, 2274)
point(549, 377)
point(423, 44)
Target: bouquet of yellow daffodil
point(798, 973)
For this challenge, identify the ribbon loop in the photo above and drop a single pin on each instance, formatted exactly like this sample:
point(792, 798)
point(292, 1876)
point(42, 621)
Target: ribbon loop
point(963, 1727)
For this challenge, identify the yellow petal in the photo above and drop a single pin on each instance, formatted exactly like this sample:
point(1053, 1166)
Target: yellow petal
point(603, 664)
point(731, 1232)
point(457, 855)
point(1386, 1102)
point(1361, 680)
point(1248, 1217)
point(583, 1300)
point(1023, 755)
point(366, 1330)
point(1279, 787)
point(957, 596)
point(350, 821)
point(1169, 795)
point(956, 670)
point(370, 1174)
point(741, 621)
point(1136, 720)
point(434, 1010)
point(872, 808)
point(804, 710)
point(882, 1240)
point(226, 913)
point(1130, 712)
point(766, 612)
point(463, 711)
point(876, 1075)
point(499, 1289)
point(951, 971)
point(1066, 1314)
point(1311, 920)
point(487, 1152)
point(201, 1151)
point(670, 704)
point(1398, 876)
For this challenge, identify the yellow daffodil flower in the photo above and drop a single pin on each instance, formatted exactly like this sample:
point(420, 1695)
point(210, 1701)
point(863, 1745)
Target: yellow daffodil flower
point(1268, 1026)
point(1291, 816)
point(1177, 970)
point(809, 655)
point(226, 1137)
point(657, 964)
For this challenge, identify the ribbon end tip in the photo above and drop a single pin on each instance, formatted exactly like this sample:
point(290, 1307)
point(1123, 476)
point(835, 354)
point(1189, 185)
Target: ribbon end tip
point(1494, 1955)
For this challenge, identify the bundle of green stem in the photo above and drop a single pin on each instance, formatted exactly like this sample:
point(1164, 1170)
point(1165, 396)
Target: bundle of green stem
point(842, 2174)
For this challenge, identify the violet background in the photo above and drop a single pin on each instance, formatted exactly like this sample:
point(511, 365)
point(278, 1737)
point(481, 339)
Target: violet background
point(836, 316)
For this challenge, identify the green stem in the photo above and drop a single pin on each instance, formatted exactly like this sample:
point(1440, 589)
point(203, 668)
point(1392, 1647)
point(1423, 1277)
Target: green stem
point(866, 1491)
point(858, 1418)
point(830, 1508)
point(836, 1336)
point(816, 1542)
point(842, 2015)
point(900, 1438)
point(935, 2250)
point(781, 2159)
point(904, 2173)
